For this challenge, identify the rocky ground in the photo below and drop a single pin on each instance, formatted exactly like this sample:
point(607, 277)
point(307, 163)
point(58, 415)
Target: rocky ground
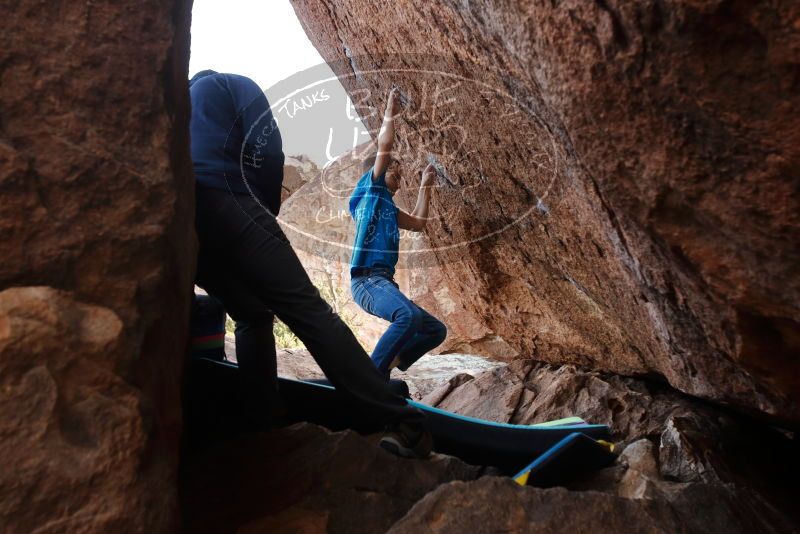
point(427, 375)
point(667, 439)
point(684, 467)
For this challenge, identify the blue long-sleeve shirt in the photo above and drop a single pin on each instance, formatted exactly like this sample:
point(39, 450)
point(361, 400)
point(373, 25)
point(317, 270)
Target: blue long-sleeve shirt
point(235, 140)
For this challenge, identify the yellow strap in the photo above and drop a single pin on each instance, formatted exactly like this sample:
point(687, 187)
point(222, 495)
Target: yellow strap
point(607, 445)
point(522, 480)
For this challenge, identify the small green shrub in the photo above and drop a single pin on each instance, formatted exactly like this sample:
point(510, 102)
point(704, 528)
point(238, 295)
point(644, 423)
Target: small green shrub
point(285, 338)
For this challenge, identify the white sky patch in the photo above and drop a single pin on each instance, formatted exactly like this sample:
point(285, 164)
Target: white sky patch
point(260, 39)
point(264, 40)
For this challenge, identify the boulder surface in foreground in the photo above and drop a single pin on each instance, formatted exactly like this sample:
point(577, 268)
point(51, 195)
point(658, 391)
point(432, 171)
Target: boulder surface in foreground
point(97, 234)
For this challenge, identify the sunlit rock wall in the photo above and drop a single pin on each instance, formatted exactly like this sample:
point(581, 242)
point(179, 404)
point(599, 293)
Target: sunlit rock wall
point(619, 179)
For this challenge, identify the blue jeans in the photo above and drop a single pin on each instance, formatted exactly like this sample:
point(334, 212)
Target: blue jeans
point(413, 331)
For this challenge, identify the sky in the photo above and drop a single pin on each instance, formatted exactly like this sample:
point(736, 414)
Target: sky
point(263, 40)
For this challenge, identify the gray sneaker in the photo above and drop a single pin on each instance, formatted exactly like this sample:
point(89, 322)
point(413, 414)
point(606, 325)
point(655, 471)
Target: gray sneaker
point(408, 441)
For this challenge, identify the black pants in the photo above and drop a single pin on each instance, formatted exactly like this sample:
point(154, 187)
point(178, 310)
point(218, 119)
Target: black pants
point(246, 262)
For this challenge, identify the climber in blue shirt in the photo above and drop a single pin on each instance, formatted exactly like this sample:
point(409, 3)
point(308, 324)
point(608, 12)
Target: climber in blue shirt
point(413, 331)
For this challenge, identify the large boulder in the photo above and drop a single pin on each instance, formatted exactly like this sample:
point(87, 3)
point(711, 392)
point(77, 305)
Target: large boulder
point(492, 505)
point(662, 434)
point(618, 184)
point(96, 228)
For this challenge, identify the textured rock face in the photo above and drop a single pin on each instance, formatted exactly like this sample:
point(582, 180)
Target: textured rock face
point(297, 170)
point(663, 435)
point(525, 392)
point(96, 228)
point(658, 143)
point(499, 505)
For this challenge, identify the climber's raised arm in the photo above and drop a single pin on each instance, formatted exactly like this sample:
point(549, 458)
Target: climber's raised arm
point(386, 135)
point(376, 249)
point(417, 219)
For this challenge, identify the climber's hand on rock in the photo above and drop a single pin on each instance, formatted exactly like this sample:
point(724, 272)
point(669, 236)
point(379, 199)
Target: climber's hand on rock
point(393, 105)
point(428, 175)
